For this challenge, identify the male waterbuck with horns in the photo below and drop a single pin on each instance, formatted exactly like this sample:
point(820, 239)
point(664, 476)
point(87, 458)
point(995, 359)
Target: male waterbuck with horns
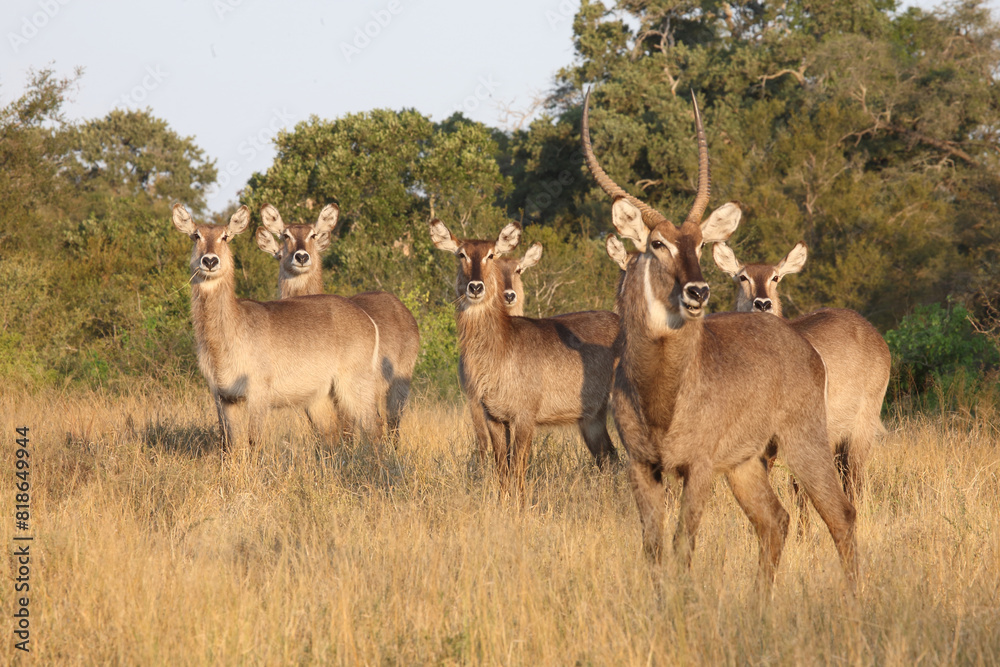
point(301, 274)
point(681, 386)
point(527, 372)
point(857, 358)
point(305, 352)
point(511, 269)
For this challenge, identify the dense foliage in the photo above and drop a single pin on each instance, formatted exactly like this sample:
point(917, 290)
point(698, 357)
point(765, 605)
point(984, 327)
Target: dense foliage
point(866, 130)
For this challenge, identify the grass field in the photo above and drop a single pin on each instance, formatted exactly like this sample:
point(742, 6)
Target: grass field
point(149, 551)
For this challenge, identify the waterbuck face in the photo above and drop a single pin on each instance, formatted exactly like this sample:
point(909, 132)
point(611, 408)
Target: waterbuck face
point(299, 246)
point(511, 270)
point(670, 266)
point(479, 275)
point(757, 284)
point(211, 257)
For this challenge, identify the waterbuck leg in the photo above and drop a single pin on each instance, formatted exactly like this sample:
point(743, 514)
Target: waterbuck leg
point(812, 464)
point(399, 393)
point(650, 500)
point(697, 487)
point(478, 415)
point(521, 435)
point(499, 438)
point(755, 496)
point(232, 418)
point(322, 415)
point(595, 433)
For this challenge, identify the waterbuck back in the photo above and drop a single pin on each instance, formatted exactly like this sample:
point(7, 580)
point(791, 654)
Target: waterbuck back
point(304, 352)
point(301, 273)
point(680, 387)
point(856, 356)
point(527, 372)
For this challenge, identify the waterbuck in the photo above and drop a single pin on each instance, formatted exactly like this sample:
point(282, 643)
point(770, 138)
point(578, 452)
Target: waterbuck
point(527, 372)
point(680, 388)
point(857, 358)
point(306, 351)
point(511, 269)
point(301, 273)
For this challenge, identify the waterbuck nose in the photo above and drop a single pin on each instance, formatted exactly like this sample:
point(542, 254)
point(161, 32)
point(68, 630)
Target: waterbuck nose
point(762, 305)
point(697, 291)
point(210, 261)
point(475, 288)
point(510, 296)
point(302, 257)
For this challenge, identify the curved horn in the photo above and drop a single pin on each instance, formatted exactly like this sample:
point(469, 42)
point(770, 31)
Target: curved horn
point(704, 179)
point(650, 216)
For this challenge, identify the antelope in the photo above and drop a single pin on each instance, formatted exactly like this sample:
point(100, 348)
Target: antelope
point(680, 388)
point(510, 270)
point(527, 372)
point(301, 274)
point(302, 352)
point(857, 358)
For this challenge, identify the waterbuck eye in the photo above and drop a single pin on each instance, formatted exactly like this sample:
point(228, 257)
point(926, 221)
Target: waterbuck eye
point(489, 256)
point(657, 245)
point(744, 279)
point(462, 255)
point(774, 279)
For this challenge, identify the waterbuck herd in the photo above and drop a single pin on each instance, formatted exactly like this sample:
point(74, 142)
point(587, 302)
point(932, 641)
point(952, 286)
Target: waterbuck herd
point(692, 395)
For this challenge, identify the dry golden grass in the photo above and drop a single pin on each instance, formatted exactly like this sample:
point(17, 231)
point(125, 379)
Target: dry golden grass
point(152, 553)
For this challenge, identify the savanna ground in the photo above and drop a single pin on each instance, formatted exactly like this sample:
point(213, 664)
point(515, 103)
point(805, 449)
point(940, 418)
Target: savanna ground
point(149, 551)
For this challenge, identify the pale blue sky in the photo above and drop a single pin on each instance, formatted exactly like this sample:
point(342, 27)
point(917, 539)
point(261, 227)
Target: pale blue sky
point(232, 72)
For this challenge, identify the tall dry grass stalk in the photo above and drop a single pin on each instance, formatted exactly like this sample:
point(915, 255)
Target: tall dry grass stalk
point(149, 551)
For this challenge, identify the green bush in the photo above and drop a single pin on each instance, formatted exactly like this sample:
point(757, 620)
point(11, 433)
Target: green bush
point(935, 347)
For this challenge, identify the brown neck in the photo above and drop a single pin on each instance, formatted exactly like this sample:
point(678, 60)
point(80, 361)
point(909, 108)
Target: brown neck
point(484, 335)
point(301, 284)
point(215, 313)
point(655, 357)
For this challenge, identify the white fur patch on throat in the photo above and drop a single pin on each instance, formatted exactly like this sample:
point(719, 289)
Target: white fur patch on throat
point(658, 318)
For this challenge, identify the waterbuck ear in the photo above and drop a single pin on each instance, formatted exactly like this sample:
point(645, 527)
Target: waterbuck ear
point(272, 220)
point(726, 260)
point(328, 218)
point(627, 219)
point(723, 221)
point(442, 238)
point(240, 221)
point(616, 251)
point(530, 258)
point(507, 241)
point(322, 241)
point(793, 261)
point(266, 242)
point(182, 220)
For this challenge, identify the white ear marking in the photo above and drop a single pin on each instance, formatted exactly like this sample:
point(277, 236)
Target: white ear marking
point(726, 260)
point(508, 239)
point(793, 261)
point(271, 219)
point(327, 220)
point(266, 242)
point(182, 220)
point(616, 251)
point(442, 238)
point(240, 221)
point(530, 258)
point(722, 222)
point(627, 219)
